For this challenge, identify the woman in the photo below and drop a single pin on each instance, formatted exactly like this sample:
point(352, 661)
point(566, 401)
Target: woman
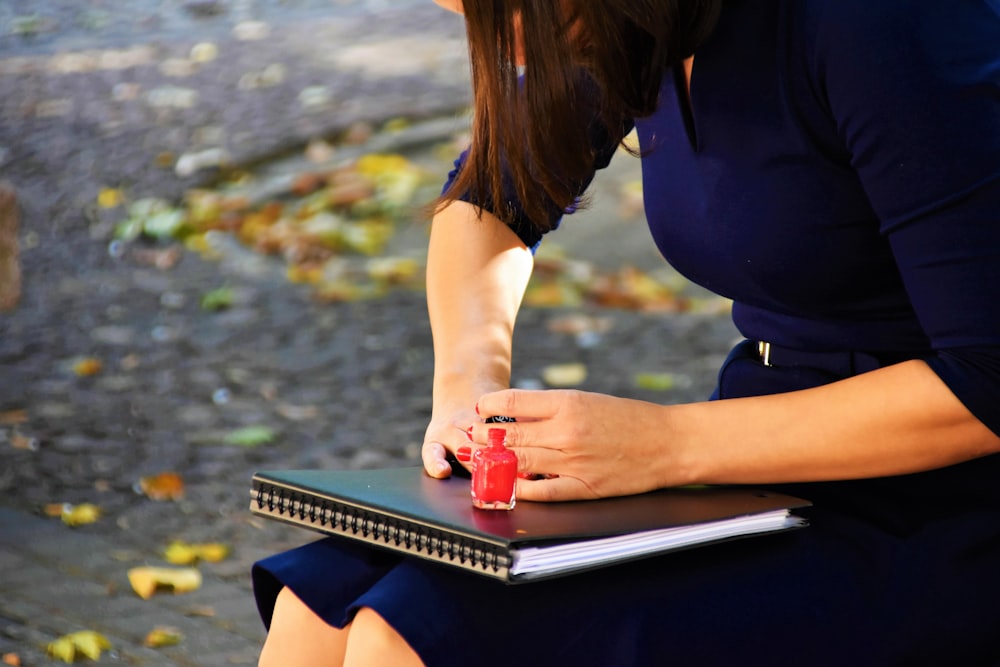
point(833, 166)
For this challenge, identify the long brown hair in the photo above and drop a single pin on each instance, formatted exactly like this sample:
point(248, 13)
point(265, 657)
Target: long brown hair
point(589, 67)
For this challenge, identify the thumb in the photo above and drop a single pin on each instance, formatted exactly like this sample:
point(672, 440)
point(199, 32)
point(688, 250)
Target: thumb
point(434, 456)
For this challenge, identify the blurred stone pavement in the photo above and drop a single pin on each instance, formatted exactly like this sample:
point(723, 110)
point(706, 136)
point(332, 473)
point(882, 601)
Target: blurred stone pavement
point(153, 97)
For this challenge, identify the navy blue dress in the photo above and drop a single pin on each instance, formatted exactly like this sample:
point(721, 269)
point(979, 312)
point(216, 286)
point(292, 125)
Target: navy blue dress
point(836, 172)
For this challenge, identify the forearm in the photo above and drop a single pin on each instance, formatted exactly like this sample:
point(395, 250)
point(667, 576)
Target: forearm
point(477, 270)
point(896, 420)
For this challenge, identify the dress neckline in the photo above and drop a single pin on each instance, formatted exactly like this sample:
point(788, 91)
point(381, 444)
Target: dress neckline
point(682, 88)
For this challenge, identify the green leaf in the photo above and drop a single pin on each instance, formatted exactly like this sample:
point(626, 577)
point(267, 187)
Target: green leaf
point(217, 299)
point(250, 436)
point(655, 381)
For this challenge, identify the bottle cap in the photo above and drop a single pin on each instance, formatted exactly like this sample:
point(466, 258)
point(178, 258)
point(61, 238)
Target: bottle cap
point(496, 437)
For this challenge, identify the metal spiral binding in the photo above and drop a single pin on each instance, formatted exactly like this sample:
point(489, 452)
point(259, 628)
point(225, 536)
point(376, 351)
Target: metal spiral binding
point(373, 528)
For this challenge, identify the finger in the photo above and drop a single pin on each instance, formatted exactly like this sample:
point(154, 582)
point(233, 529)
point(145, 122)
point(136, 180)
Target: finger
point(541, 437)
point(520, 404)
point(553, 490)
point(434, 456)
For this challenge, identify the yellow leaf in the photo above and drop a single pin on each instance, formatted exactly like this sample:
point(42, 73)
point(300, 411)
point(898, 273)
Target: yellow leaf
point(146, 581)
point(564, 375)
point(396, 125)
point(163, 636)
point(551, 294)
point(163, 486)
point(182, 553)
point(90, 643)
point(300, 274)
point(62, 649)
point(88, 366)
point(80, 515)
point(85, 643)
point(376, 164)
point(110, 198)
point(392, 270)
point(212, 552)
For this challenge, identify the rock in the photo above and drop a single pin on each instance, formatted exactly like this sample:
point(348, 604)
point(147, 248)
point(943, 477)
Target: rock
point(10, 267)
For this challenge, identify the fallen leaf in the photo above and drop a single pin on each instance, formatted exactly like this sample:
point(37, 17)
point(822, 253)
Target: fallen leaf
point(304, 275)
point(88, 367)
point(250, 436)
point(74, 515)
point(12, 659)
point(306, 183)
point(110, 198)
point(146, 580)
point(163, 636)
point(163, 259)
point(18, 441)
point(9, 417)
point(129, 362)
point(656, 381)
point(392, 270)
point(200, 611)
point(297, 412)
point(163, 486)
point(396, 125)
point(183, 553)
point(549, 293)
point(84, 644)
point(155, 218)
point(217, 299)
point(633, 289)
point(564, 375)
point(578, 324)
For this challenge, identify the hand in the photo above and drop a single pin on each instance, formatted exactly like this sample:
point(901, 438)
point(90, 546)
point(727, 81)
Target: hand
point(444, 436)
point(598, 445)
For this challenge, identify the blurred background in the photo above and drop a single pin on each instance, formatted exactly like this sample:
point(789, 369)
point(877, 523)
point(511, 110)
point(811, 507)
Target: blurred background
point(211, 263)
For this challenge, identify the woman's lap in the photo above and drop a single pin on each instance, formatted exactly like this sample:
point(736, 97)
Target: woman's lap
point(838, 592)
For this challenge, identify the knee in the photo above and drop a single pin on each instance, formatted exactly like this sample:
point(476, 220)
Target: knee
point(298, 637)
point(373, 641)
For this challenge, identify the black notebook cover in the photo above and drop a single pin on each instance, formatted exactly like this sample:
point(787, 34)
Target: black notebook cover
point(405, 510)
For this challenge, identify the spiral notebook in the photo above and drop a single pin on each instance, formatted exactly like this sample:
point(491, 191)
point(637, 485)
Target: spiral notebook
point(404, 510)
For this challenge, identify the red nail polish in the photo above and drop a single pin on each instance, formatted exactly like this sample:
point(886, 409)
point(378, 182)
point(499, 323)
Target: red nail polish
point(468, 433)
point(463, 454)
point(494, 471)
point(477, 408)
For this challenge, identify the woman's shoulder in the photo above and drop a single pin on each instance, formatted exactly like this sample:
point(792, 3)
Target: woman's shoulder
point(894, 24)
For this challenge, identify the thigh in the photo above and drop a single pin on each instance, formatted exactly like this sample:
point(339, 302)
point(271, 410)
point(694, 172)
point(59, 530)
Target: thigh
point(800, 598)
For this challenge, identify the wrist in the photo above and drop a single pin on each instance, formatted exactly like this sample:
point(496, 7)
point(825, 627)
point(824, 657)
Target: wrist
point(684, 462)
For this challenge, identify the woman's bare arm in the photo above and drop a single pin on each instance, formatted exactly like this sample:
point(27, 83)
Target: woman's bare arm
point(895, 420)
point(477, 271)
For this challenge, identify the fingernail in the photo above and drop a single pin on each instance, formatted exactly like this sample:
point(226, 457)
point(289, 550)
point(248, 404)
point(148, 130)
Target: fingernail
point(468, 433)
point(463, 453)
point(477, 407)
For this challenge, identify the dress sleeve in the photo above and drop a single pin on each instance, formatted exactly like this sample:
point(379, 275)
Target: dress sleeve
point(914, 89)
point(528, 232)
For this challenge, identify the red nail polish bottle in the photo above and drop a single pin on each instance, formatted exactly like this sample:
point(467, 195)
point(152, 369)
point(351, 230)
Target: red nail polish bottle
point(494, 471)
